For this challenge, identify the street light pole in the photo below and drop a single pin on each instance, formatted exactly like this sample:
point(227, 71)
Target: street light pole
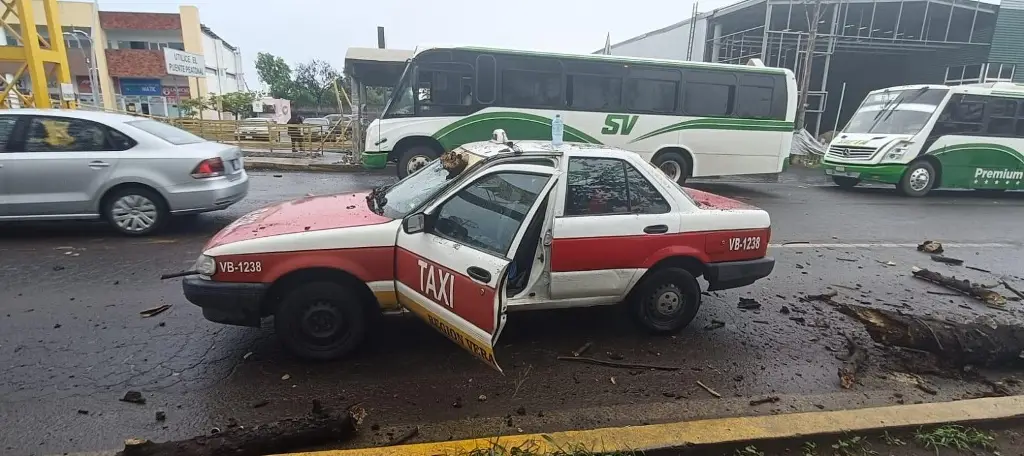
point(89, 62)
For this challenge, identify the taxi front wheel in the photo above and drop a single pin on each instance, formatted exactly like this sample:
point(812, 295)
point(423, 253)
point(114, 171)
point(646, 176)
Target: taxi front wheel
point(320, 321)
point(666, 301)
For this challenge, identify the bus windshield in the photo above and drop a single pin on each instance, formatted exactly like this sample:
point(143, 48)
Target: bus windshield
point(401, 103)
point(896, 112)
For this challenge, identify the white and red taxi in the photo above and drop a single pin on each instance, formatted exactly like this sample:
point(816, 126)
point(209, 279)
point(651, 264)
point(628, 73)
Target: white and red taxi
point(488, 228)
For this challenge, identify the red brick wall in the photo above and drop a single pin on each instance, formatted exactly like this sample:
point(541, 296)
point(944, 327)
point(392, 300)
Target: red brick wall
point(111, 20)
point(135, 63)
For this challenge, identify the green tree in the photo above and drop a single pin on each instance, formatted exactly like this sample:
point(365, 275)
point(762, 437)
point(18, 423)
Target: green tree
point(190, 107)
point(237, 103)
point(276, 74)
point(316, 79)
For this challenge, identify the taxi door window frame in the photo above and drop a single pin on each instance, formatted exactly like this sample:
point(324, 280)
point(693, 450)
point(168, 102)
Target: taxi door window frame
point(431, 208)
point(563, 199)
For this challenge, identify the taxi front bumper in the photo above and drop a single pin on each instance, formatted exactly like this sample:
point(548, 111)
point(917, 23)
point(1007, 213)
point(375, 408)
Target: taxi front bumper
point(228, 303)
point(735, 274)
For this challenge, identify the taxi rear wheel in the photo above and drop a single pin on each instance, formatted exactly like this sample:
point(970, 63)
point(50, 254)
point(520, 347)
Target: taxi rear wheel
point(320, 321)
point(666, 301)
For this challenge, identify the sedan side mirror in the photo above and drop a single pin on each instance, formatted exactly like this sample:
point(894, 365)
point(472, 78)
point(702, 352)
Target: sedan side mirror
point(414, 223)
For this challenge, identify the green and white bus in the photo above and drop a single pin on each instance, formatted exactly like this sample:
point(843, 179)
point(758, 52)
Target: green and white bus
point(688, 118)
point(921, 137)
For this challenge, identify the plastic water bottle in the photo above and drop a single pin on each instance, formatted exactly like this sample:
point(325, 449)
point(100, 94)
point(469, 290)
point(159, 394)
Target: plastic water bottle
point(557, 127)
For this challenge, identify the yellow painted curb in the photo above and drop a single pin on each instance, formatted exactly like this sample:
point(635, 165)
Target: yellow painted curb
point(720, 431)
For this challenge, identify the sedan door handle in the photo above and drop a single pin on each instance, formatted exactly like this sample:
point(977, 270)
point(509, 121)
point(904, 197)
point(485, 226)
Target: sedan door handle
point(656, 229)
point(479, 274)
point(98, 164)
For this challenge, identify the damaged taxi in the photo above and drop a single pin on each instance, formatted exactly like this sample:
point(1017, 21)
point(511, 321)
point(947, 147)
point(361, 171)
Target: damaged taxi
point(489, 228)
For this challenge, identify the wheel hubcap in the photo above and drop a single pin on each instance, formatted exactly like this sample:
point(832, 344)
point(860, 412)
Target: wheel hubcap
point(321, 320)
point(417, 162)
point(919, 179)
point(668, 303)
point(134, 213)
point(671, 169)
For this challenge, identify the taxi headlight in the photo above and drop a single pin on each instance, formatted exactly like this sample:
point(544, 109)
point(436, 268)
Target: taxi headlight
point(205, 265)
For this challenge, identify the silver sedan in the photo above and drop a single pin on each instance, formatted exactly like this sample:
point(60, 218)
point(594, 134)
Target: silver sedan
point(133, 172)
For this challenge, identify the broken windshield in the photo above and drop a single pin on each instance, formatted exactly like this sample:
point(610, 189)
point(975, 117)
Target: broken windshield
point(411, 192)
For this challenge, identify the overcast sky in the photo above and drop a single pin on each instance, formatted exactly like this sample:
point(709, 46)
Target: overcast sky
point(299, 30)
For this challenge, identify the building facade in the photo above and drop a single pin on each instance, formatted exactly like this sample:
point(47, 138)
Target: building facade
point(858, 45)
point(127, 66)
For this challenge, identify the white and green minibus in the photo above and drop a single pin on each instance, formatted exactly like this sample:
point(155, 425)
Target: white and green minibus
point(921, 137)
point(690, 119)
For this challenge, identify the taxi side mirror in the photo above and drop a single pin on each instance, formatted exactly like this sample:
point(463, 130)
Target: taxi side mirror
point(414, 223)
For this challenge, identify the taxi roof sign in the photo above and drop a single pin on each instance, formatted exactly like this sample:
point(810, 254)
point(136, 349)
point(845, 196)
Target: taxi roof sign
point(499, 136)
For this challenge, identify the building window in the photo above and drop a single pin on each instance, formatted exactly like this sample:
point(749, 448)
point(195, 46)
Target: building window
point(973, 74)
point(178, 46)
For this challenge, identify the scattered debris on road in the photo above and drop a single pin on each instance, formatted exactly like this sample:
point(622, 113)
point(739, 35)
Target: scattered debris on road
point(979, 343)
point(600, 362)
point(852, 362)
point(947, 260)
point(849, 260)
point(824, 297)
point(409, 435)
point(83, 412)
point(260, 404)
point(978, 269)
point(155, 311)
point(715, 324)
point(161, 415)
point(930, 247)
point(482, 398)
point(766, 400)
point(1012, 289)
point(133, 397)
point(284, 436)
point(708, 389)
point(965, 286)
point(582, 349)
point(286, 377)
point(749, 304)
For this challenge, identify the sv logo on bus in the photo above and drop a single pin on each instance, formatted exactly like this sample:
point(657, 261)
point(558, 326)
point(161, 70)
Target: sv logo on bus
point(744, 243)
point(619, 124)
point(437, 284)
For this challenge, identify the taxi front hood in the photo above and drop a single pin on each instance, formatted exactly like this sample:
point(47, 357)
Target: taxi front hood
point(311, 213)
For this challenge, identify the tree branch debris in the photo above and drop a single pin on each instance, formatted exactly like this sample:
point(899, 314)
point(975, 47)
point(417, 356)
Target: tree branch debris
point(964, 286)
point(316, 428)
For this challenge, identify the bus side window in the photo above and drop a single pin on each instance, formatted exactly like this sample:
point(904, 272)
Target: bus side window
point(963, 116)
point(1001, 117)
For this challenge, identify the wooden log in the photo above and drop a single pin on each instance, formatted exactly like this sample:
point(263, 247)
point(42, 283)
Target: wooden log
point(964, 286)
point(276, 437)
point(960, 343)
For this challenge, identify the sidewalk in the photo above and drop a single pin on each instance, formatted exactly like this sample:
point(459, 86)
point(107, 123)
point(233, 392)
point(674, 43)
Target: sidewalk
point(714, 435)
point(331, 162)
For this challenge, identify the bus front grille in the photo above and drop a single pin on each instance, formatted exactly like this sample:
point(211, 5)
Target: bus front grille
point(851, 152)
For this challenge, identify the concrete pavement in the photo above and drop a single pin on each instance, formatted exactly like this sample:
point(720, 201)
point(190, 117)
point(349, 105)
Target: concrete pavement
point(72, 341)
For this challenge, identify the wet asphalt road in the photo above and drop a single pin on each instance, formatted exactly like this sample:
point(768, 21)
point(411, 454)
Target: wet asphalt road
point(72, 341)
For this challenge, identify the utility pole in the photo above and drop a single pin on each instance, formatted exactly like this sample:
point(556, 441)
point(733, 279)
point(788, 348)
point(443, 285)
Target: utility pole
point(805, 73)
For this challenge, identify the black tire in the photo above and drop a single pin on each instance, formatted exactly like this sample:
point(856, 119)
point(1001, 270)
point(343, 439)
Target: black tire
point(652, 311)
point(911, 183)
point(412, 156)
point(140, 204)
point(846, 182)
point(675, 163)
point(332, 306)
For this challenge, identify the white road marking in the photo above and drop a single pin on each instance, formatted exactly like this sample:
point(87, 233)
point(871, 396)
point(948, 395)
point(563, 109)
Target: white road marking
point(887, 245)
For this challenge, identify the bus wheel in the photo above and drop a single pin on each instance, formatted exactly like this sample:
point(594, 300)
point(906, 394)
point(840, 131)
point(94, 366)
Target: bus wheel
point(415, 158)
point(918, 180)
point(845, 182)
point(674, 165)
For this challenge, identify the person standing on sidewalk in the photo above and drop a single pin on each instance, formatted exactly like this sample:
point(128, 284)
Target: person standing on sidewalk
point(295, 132)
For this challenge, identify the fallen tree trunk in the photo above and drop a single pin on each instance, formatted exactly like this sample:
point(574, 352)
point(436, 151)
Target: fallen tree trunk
point(961, 343)
point(284, 436)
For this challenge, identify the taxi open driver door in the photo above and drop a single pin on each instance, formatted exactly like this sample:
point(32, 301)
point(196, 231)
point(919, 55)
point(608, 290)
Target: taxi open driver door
point(452, 260)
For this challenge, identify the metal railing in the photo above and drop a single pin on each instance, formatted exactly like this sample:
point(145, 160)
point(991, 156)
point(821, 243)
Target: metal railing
point(270, 136)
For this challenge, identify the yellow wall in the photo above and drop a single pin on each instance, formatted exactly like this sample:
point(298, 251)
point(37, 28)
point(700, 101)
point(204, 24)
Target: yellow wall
point(192, 36)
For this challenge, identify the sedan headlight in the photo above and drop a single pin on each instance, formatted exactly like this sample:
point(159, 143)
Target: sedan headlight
point(205, 265)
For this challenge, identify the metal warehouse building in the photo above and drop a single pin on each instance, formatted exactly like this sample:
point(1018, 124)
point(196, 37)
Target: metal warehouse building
point(859, 45)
